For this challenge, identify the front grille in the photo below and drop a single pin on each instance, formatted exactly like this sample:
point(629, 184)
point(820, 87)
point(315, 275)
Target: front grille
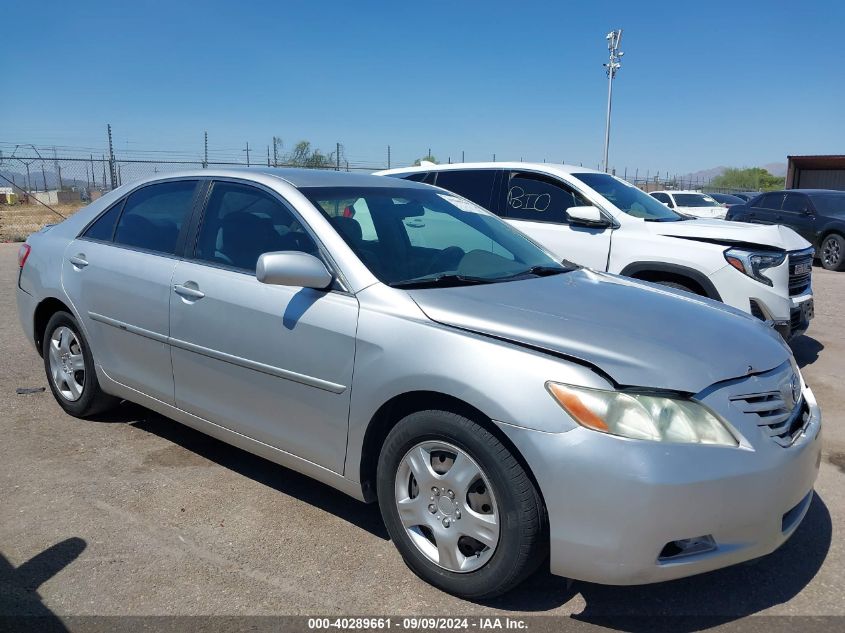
point(799, 282)
point(774, 416)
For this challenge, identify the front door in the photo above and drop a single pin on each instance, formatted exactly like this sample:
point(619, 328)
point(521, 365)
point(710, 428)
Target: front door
point(536, 204)
point(273, 363)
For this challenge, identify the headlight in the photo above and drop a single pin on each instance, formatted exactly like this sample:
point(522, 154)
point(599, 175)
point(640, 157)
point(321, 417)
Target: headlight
point(642, 417)
point(753, 263)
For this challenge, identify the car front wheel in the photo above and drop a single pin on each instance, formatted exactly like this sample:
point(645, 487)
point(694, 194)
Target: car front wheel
point(458, 505)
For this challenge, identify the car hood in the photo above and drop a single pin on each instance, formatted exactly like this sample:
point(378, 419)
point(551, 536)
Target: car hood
point(704, 212)
point(638, 334)
point(775, 235)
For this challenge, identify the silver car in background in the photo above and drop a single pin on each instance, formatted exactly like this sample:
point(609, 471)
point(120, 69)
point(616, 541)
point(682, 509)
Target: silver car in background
point(401, 344)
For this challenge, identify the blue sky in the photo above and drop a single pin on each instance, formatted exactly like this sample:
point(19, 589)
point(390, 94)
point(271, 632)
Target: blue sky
point(702, 84)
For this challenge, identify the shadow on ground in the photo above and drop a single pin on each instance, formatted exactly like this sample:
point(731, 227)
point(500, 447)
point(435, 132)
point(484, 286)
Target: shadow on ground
point(20, 603)
point(286, 481)
point(806, 350)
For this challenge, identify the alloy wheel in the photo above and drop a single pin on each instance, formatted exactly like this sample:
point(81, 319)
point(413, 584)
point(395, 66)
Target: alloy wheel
point(447, 506)
point(67, 364)
point(831, 253)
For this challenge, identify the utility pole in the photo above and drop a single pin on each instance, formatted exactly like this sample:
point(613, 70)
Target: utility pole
point(205, 150)
point(388, 156)
point(93, 173)
point(614, 38)
point(268, 156)
point(276, 142)
point(104, 172)
point(463, 160)
point(247, 153)
point(112, 170)
point(337, 156)
point(58, 168)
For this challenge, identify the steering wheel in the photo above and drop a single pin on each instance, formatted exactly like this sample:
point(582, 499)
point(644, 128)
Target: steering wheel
point(447, 259)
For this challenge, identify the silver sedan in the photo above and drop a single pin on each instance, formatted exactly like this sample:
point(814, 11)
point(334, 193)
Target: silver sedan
point(399, 343)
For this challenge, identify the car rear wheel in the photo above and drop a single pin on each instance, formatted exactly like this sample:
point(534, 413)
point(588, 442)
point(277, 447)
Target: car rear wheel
point(459, 507)
point(832, 253)
point(70, 368)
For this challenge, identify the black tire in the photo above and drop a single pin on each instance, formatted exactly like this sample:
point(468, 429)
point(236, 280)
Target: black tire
point(677, 285)
point(832, 252)
point(523, 542)
point(92, 400)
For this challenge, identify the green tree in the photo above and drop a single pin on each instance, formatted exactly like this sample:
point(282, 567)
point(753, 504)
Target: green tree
point(748, 179)
point(429, 158)
point(303, 156)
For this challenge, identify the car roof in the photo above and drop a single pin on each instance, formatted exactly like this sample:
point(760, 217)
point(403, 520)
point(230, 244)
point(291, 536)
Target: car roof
point(813, 191)
point(553, 168)
point(297, 177)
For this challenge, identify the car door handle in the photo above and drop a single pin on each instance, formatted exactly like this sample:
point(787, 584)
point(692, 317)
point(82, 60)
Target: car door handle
point(78, 260)
point(188, 292)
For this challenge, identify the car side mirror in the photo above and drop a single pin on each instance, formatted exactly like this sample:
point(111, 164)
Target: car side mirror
point(292, 268)
point(586, 216)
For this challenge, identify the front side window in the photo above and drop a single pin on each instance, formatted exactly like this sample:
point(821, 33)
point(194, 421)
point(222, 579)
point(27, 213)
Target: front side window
point(695, 200)
point(153, 216)
point(628, 198)
point(472, 184)
point(661, 197)
point(430, 237)
point(243, 222)
point(539, 198)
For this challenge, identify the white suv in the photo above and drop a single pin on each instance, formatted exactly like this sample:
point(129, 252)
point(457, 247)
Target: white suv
point(691, 203)
point(602, 222)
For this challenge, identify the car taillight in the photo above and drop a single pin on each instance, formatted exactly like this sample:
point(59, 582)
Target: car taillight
point(23, 253)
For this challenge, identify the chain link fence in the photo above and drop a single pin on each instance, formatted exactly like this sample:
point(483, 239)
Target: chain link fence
point(35, 191)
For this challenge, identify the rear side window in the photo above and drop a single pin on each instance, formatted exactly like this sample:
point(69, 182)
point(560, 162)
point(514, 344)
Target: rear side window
point(103, 227)
point(473, 184)
point(421, 176)
point(796, 202)
point(153, 216)
point(770, 201)
point(539, 198)
point(243, 222)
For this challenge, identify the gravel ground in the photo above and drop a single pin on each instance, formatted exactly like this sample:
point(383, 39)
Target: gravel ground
point(134, 514)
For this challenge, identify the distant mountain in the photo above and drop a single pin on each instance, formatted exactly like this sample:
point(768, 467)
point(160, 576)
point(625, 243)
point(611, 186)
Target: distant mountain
point(776, 169)
point(706, 175)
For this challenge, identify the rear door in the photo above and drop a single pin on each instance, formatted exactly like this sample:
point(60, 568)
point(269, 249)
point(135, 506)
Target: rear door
point(273, 363)
point(765, 209)
point(536, 204)
point(797, 213)
point(118, 275)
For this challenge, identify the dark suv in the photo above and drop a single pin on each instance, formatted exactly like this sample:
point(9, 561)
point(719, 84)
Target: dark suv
point(818, 215)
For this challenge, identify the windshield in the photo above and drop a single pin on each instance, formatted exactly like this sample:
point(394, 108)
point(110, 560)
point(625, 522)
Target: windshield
point(694, 200)
point(408, 236)
point(626, 197)
point(829, 203)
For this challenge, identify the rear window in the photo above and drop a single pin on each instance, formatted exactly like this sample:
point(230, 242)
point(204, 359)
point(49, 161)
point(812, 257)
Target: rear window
point(153, 216)
point(473, 184)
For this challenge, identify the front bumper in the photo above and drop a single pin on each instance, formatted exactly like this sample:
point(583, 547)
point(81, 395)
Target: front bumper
point(614, 504)
point(789, 315)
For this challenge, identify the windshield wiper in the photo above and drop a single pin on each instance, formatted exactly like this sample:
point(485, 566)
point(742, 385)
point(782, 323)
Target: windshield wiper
point(544, 271)
point(441, 280)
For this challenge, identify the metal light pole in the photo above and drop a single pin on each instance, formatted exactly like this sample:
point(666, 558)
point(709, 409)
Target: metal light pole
point(614, 38)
